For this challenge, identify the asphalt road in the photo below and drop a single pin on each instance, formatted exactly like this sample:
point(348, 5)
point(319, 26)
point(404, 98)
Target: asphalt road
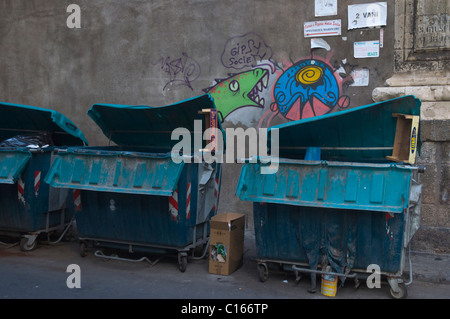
point(42, 274)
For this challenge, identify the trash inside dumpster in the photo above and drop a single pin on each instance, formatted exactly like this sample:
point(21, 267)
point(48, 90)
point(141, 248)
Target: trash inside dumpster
point(350, 205)
point(138, 196)
point(29, 207)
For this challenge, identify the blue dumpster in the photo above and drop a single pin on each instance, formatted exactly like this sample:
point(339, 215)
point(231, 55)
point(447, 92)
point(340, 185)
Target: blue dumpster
point(347, 209)
point(139, 196)
point(28, 206)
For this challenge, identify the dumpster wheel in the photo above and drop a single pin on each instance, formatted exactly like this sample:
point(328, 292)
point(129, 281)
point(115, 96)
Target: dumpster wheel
point(182, 261)
point(83, 249)
point(28, 243)
point(263, 272)
point(402, 292)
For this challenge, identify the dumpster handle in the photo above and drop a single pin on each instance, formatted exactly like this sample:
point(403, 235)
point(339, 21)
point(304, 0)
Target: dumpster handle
point(63, 233)
point(100, 254)
point(8, 246)
point(205, 251)
point(410, 267)
point(353, 275)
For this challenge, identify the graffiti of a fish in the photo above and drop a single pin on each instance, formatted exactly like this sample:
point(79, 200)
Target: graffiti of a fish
point(238, 91)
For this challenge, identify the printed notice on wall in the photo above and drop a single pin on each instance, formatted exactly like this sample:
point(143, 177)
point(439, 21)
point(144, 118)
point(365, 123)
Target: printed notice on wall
point(367, 15)
point(322, 28)
point(325, 8)
point(360, 77)
point(367, 49)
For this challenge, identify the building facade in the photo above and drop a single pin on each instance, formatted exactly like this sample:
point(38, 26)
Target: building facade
point(69, 55)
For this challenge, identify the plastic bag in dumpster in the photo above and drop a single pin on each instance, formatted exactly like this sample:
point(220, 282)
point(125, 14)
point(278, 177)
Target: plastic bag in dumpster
point(35, 140)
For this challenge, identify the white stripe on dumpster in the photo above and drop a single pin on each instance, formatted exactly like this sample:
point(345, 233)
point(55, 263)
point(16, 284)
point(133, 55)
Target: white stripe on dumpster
point(21, 190)
point(37, 182)
point(173, 204)
point(77, 199)
point(188, 201)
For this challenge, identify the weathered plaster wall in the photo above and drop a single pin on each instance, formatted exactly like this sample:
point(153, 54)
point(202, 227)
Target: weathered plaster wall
point(160, 52)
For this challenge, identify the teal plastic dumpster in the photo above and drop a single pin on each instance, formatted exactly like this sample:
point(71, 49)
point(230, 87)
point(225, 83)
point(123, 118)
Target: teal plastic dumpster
point(28, 206)
point(139, 196)
point(349, 209)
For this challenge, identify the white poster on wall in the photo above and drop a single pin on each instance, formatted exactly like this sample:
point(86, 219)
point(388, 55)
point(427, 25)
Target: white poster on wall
point(367, 49)
point(322, 28)
point(367, 15)
point(325, 8)
point(360, 77)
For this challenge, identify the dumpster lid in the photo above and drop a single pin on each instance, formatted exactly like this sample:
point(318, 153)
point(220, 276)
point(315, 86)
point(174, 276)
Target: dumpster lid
point(17, 119)
point(13, 163)
point(114, 171)
point(357, 134)
point(376, 187)
point(150, 126)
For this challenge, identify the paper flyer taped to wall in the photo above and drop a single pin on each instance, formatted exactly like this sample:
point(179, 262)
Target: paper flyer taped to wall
point(367, 15)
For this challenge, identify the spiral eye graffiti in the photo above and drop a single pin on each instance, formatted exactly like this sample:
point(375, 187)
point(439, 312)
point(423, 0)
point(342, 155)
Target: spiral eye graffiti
point(309, 75)
point(308, 88)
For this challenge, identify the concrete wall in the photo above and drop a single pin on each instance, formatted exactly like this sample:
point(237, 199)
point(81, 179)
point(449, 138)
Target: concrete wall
point(161, 52)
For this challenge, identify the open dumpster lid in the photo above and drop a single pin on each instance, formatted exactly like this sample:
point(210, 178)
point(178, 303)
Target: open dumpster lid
point(13, 163)
point(114, 171)
point(364, 133)
point(16, 119)
point(337, 185)
point(150, 126)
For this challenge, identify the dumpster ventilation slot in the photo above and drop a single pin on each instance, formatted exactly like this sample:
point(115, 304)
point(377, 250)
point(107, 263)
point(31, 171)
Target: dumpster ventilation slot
point(351, 188)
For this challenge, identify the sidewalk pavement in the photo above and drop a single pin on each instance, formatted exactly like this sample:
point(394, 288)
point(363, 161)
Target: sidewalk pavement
point(42, 274)
point(429, 267)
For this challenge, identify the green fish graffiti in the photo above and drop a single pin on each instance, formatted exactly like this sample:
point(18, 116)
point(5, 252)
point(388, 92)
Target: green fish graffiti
point(239, 90)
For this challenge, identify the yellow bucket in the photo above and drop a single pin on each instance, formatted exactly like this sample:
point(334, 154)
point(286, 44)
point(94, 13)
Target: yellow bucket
point(329, 285)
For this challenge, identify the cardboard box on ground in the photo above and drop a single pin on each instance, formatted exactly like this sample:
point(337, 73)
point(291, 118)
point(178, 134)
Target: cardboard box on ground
point(226, 248)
